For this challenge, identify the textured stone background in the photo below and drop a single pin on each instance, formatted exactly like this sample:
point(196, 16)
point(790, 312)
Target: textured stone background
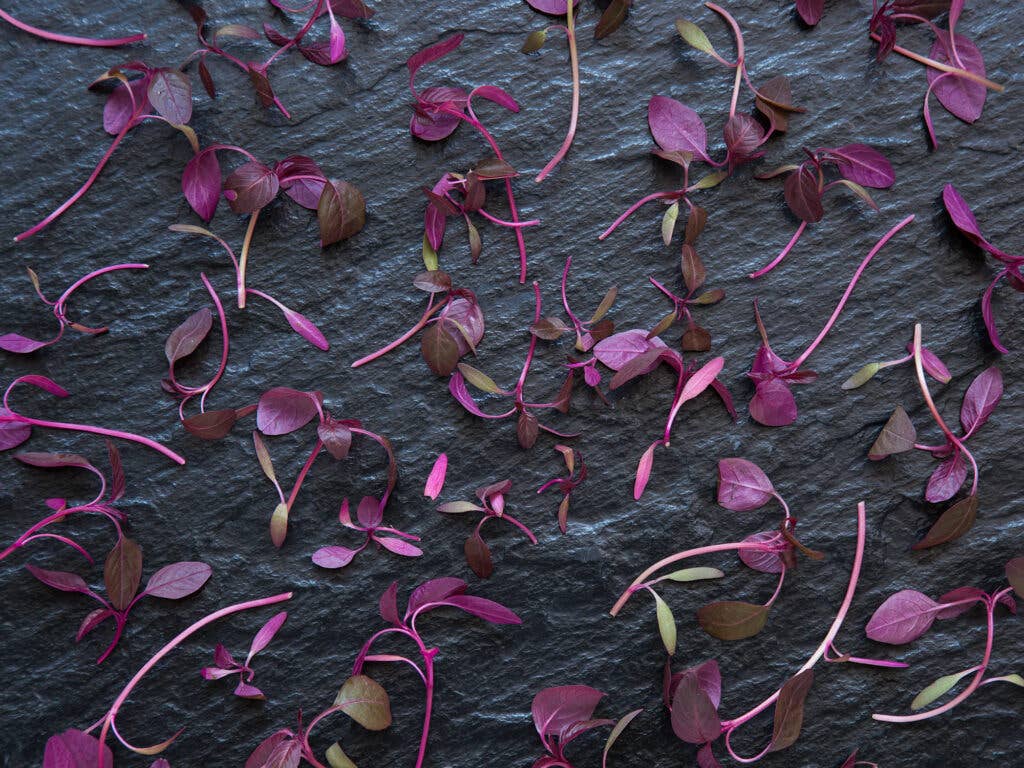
point(353, 119)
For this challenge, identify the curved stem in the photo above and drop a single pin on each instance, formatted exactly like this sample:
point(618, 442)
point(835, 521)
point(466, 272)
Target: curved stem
point(785, 252)
point(131, 437)
point(108, 719)
point(941, 67)
point(303, 472)
point(56, 37)
point(849, 289)
point(243, 257)
point(639, 203)
point(533, 345)
point(574, 61)
point(59, 304)
point(430, 310)
point(520, 526)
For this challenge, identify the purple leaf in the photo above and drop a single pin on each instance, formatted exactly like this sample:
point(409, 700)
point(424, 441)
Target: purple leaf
point(897, 436)
point(676, 127)
point(184, 339)
point(54, 460)
point(44, 383)
point(433, 53)
point(336, 437)
point(305, 328)
point(933, 365)
point(170, 93)
point(12, 433)
point(333, 557)
point(990, 319)
point(743, 135)
point(279, 750)
point(620, 348)
point(556, 708)
point(947, 478)
point(694, 717)
point(119, 109)
point(304, 191)
point(398, 546)
point(803, 195)
point(765, 562)
point(14, 342)
point(742, 485)
point(250, 187)
point(282, 410)
point(706, 758)
point(981, 399)
point(961, 593)
point(470, 317)
point(223, 658)
point(552, 7)
point(262, 638)
point(369, 512)
point(432, 123)
point(863, 165)
point(200, 183)
point(92, 620)
point(435, 481)
point(178, 580)
point(498, 96)
point(643, 470)
point(773, 404)
point(122, 573)
point(62, 580)
point(246, 691)
point(482, 608)
point(962, 97)
point(810, 10)
point(433, 591)
point(388, 605)
point(709, 680)
point(961, 214)
point(75, 749)
point(902, 618)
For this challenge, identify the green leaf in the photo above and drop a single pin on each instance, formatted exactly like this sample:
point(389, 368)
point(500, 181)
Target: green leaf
point(279, 524)
point(337, 758)
point(713, 179)
point(478, 379)
point(938, 689)
point(605, 305)
point(1012, 679)
point(694, 36)
point(459, 507)
point(666, 624)
point(668, 222)
point(535, 41)
point(616, 732)
point(430, 260)
point(861, 377)
point(366, 702)
point(789, 710)
point(263, 456)
point(732, 620)
point(694, 574)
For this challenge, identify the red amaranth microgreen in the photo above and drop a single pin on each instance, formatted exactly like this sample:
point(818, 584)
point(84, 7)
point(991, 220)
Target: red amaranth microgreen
point(492, 504)
point(964, 220)
point(695, 338)
point(122, 574)
point(566, 485)
point(59, 509)
point(369, 515)
point(899, 436)
point(157, 94)
point(57, 37)
point(773, 403)
point(528, 426)
point(362, 698)
point(588, 332)
point(693, 696)
point(225, 664)
point(454, 333)
point(858, 166)
point(564, 713)
point(681, 135)
point(14, 342)
point(15, 428)
point(907, 615)
point(437, 112)
point(956, 69)
point(323, 53)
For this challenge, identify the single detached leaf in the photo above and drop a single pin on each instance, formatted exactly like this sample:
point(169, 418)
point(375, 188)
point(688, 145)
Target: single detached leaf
point(938, 688)
point(732, 620)
point(742, 485)
point(981, 399)
point(789, 710)
point(122, 573)
point(902, 618)
point(282, 410)
point(555, 709)
point(952, 524)
point(677, 127)
point(366, 702)
point(266, 633)
point(694, 717)
point(666, 624)
point(897, 436)
point(186, 337)
point(435, 481)
point(178, 580)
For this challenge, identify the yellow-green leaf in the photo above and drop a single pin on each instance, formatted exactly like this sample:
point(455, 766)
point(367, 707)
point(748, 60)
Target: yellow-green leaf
point(478, 379)
point(263, 456)
point(938, 688)
point(694, 36)
point(668, 222)
point(535, 41)
point(694, 574)
point(430, 260)
point(279, 524)
point(711, 180)
point(365, 701)
point(605, 305)
point(862, 376)
point(666, 624)
point(337, 758)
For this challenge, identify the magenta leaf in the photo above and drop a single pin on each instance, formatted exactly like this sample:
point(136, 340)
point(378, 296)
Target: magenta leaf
point(643, 470)
point(961, 593)
point(433, 53)
point(619, 349)
point(222, 657)
point(961, 214)
point(552, 7)
point(498, 96)
point(990, 320)
point(810, 10)
point(388, 605)
point(433, 591)
point(694, 717)
point(369, 512)
point(279, 750)
point(337, 439)
point(709, 679)
point(14, 342)
point(54, 460)
point(902, 618)
point(430, 121)
point(435, 481)
point(44, 383)
point(333, 557)
point(933, 365)
point(947, 478)
point(250, 187)
point(398, 546)
point(92, 620)
point(863, 165)
point(170, 93)
point(742, 485)
point(246, 691)
point(765, 562)
point(962, 97)
point(200, 183)
point(178, 580)
point(76, 749)
point(262, 638)
point(469, 320)
point(305, 328)
point(482, 608)
point(184, 339)
point(706, 758)
point(62, 580)
point(120, 109)
point(282, 410)
point(305, 191)
point(555, 709)
point(981, 399)
point(676, 127)
point(773, 404)
point(12, 433)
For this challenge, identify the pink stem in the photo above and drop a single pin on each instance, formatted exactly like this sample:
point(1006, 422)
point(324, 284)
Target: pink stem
point(632, 209)
point(520, 526)
point(303, 472)
point(785, 251)
point(83, 280)
point(849, 289)
point(533, 345)
point(105, 432)
point(225, 344)
point(430, 310)
point(71, 39)
point(574, 60)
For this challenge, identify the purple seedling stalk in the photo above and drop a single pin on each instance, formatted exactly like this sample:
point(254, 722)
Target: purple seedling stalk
point(12, 416)
point(574, 63)
point(56, 37)
point(107, 722)
point(430, 311)
point(938, 65)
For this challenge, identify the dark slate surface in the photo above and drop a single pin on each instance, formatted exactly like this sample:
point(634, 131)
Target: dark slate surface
point(353, 120)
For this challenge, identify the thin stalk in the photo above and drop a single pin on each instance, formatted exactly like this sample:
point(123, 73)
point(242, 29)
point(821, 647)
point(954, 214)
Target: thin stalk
point(243, 257)
point(71, 39)
point(574, 60)
point(633, 208)
point(942, 67)
point(430, 310)
point(849, 289)
point(83, 280)
point(533, 345)
point(129, 436)
point(785, 252)
point(303, 472)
